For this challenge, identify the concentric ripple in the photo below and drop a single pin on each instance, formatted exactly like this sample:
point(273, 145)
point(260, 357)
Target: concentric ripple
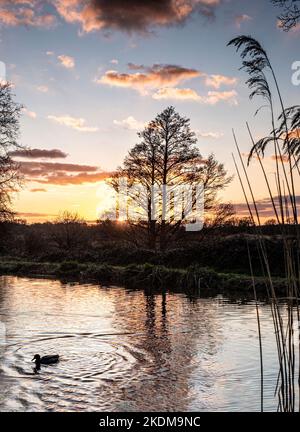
point(88, 363)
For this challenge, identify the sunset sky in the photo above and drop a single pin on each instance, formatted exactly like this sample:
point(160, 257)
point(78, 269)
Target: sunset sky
point(92, 73)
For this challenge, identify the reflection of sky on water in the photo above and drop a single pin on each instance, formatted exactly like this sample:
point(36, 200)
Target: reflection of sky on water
point(126, 350)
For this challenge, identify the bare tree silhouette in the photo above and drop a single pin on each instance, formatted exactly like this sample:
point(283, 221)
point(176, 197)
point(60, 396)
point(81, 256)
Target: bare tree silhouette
point(290, 15)
point(68, 231)
point(167, 157)
point(10, 112)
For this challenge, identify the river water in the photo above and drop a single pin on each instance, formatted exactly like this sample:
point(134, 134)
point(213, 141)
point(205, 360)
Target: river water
point(124, 350)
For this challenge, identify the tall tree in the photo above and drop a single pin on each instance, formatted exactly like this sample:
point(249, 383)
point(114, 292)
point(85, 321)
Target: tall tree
point(167, 160)
point(290, 15)
point(10, 112)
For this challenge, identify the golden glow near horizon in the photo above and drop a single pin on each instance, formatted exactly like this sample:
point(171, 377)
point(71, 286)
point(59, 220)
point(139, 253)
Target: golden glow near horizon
point(43, 206)
point(94, 201)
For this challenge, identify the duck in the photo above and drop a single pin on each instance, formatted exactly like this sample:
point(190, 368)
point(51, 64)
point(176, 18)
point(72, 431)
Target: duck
point(45, 360)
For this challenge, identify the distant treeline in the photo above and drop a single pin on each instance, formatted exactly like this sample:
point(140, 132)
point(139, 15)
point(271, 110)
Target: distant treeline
point(222, 248)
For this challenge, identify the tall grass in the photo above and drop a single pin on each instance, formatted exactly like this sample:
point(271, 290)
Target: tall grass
point(283, 203)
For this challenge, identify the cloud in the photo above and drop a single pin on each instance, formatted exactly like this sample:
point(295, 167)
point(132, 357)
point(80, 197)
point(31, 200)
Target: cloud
point(76, 179)
point(43, 216)
point(164, 77)
point(156, 76)
point(40, 168)
point(216, 81)
point(42, 88)
point(114, 61)
point(93, 15)
point(283, 158)
point(62, 173)
point(130, 123)
point(133, 66)
point(296, 28)
point(240, 19)
point(38, 190)
point(294, 133)
point(210, 135)
point(66, 61)
point(78, 124)
point(177, 94)
point(133, 15)
point(212, 97)
point(38, 154)
point(26, 12)
point(28, 113)
point(264, 206)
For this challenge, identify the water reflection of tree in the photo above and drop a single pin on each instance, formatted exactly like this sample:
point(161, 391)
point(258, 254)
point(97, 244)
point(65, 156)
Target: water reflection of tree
point(172, 331)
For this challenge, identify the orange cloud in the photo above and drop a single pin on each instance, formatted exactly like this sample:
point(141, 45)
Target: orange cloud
point(284, 158)
point(294, 29)
point(18, 12)
point(294, 133)
point(66, 61)
point(78, 124)
point(62, 173)
point(264, 207)
point(177, 94)
point(164, 77)
point(39, 216)
point(130, 123)
point(212, 97)
point(216, 81)
point(38, 190)
point(240, 19)
point(77, 179)
point(158, 75)
point(30, 114)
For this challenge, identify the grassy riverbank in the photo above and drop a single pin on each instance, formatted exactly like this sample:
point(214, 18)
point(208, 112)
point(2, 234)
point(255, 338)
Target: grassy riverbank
point(192, 279)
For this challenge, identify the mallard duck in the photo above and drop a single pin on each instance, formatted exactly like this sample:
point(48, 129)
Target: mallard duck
point(45, 360)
